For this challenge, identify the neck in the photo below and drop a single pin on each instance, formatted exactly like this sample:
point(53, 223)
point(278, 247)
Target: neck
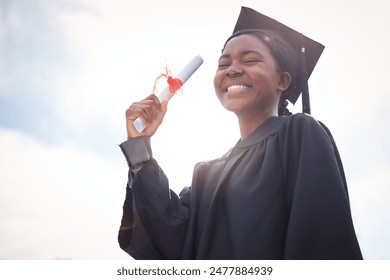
point(248, 123)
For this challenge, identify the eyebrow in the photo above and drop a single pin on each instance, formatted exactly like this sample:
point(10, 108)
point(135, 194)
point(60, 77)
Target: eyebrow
point(242, 53)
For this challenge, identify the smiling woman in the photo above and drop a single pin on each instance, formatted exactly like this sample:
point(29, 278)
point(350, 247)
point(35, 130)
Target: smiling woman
point(279, 193)
point(248, 81)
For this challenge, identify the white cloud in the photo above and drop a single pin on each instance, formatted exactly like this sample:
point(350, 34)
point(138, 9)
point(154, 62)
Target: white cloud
point(370, 200)
point(58, 202)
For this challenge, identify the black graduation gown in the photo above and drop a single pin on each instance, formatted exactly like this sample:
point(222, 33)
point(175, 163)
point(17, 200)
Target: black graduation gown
point(280, 193)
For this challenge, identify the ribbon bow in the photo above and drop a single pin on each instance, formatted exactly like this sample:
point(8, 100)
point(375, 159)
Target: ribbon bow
point(174, 84)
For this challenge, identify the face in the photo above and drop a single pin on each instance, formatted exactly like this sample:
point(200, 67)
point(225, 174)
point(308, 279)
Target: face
point(247, 80)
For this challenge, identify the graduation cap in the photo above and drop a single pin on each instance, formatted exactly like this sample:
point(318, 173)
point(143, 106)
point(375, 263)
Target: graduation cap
point(309, 50)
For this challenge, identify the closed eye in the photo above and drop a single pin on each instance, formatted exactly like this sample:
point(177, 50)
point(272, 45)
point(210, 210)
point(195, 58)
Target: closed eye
point(251, 61)
point(223, 65)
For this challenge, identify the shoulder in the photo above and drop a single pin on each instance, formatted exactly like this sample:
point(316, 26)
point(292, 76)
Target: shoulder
point(302, 129)
point(301, 119)
point(304, 123)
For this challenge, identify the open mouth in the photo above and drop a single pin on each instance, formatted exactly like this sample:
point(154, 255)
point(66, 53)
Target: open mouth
point(236, 88)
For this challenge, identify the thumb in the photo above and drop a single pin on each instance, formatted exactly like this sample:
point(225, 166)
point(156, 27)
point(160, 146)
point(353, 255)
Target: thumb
point(153, 126)
point(162, 111)
point(164, 106)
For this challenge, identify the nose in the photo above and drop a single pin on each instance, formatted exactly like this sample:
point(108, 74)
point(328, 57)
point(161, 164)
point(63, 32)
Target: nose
point(234, 70)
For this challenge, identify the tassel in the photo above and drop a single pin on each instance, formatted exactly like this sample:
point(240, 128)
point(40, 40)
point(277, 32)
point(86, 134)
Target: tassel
point(305, 86)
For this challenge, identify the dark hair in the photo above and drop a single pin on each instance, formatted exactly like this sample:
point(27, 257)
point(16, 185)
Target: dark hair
point(286, 58)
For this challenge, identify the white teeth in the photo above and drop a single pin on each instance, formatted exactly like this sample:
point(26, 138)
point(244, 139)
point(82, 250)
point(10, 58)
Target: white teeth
point(236, 88)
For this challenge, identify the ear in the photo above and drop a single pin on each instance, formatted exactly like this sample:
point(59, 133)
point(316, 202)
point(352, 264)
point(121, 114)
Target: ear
point(285, 81)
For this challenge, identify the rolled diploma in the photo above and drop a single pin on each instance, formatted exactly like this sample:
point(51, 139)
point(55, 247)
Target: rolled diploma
point(183, 76)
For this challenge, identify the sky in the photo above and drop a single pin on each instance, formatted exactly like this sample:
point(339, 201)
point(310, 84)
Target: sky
point(69, 70)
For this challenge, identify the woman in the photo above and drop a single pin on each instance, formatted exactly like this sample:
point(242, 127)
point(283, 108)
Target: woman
point(279, 193)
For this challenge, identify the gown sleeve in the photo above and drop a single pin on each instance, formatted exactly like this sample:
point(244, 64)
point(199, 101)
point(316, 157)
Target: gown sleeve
point(320, 224)
point(154, 219)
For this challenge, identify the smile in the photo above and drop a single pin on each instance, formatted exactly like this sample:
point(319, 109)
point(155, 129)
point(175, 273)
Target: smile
point(236, 88)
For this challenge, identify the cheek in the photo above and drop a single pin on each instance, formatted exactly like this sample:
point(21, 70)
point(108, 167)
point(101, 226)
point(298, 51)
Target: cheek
point(217, 86)
point(217, 82)
point(267, 79)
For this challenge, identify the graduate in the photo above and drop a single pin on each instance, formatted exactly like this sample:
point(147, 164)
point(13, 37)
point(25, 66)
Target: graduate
point(279, 193)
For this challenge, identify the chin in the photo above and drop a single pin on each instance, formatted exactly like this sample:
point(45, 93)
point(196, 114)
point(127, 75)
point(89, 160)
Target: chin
point(235, 108)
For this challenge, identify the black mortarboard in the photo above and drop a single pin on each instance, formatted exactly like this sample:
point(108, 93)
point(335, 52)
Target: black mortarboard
point(309, 50)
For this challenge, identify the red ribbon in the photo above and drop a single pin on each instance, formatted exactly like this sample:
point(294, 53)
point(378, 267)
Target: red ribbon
point(174, 84)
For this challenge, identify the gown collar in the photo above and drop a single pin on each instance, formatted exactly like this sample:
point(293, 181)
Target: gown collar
point(267, 128)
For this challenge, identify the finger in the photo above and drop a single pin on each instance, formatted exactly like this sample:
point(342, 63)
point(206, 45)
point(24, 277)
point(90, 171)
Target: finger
point(153, 126)
point(154, 98)
point(146, 110)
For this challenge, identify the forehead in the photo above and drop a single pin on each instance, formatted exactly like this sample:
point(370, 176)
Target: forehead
point(245, 42)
